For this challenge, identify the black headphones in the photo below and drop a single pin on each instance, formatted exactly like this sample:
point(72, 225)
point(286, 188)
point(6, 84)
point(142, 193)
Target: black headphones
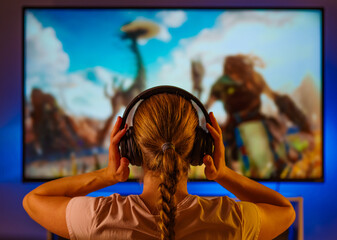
point(203, 143)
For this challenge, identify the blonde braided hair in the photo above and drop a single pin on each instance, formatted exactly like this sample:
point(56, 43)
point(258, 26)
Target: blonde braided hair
point(166, 118)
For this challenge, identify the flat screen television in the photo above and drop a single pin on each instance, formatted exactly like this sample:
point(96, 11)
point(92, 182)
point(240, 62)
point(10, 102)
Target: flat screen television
point(259, 70)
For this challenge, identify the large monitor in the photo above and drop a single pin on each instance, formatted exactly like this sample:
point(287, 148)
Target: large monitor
point(259, 70)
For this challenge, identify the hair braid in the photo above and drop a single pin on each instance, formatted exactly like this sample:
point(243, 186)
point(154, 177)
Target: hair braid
point(170, 174)
point(160, 119)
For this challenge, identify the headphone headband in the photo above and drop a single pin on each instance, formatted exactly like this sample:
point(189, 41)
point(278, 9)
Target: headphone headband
point(203, 143)
point(164, 89)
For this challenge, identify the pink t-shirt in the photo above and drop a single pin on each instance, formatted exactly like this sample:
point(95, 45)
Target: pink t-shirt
point(119, 217)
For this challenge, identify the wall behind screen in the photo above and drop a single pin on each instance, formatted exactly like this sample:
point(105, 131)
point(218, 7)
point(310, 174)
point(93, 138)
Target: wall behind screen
point(320, 219)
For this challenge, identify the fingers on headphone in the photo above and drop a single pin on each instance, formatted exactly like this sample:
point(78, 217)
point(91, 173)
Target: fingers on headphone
point(210, 167)
point(123, 169)
point(208, 161)
point(215, 134)
point(116, 127)
point(117, 137)
point(215, 122)
point(124, 161)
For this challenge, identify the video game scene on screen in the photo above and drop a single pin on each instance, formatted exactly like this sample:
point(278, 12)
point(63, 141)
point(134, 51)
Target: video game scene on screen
point(259, 71)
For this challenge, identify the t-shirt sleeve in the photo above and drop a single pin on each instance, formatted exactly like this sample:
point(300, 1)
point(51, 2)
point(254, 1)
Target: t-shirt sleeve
point(251, 221)
point(80, 216)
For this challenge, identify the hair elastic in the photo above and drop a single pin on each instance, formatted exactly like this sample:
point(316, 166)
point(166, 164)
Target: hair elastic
point(167, 145)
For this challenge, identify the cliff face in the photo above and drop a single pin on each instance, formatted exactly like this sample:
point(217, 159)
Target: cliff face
point(51, 131)
point(307, 97)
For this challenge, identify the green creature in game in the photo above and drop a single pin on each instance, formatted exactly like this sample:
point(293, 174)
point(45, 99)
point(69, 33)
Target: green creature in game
point(255, 143)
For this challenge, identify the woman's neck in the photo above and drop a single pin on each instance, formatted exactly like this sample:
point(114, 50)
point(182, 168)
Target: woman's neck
point(150, 194)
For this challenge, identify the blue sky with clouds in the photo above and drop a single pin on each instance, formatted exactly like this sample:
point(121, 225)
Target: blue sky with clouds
point(92, 37)
point(62, 45)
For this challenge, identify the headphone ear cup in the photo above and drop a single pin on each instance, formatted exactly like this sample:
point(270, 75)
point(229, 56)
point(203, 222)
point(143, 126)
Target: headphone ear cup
point(209, 144)
point(197, 152)
point(129, 148)
point(203, 144)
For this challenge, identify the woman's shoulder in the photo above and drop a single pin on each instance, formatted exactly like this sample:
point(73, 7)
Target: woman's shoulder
point(131, 203)
point(206, 203)
point(220, 217)
point(214, 199)
point(223, 204)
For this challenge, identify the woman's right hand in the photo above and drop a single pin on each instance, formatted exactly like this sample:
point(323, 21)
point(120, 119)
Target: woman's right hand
point(275, 211)
point(215, 167)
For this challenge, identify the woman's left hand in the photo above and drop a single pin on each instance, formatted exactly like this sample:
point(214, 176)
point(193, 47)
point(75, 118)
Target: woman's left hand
point(118, 168)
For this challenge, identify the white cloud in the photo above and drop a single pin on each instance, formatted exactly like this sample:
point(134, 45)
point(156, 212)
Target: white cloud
point(172, 19)
point(44, 53)
point(212, 45)
point(79, 93)
point(33, 26)
point(164, 34)
point(85, 98)
point(275, 18)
